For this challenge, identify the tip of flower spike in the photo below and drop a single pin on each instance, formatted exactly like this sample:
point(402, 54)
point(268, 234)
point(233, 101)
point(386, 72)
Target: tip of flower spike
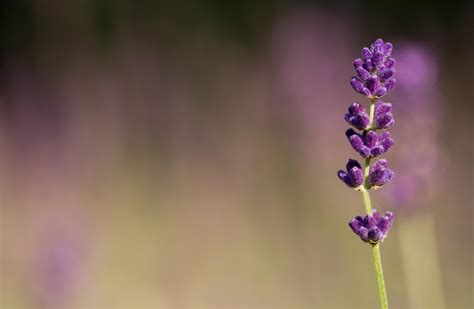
point(378, 42)
point(375, 70)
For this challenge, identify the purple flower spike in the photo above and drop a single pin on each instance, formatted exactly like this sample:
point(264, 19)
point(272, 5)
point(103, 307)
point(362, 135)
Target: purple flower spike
point(383, 117)
point(357, 116)
point(372, 229)
point(369, 144)
point(379, 174)
point(374, 79)
point(354, 177)
point(374, 70)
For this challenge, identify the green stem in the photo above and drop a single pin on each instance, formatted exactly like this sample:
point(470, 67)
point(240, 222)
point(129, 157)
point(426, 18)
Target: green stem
point(371, 112)
point(367, 203)
point(368, 209)
point(379, 272)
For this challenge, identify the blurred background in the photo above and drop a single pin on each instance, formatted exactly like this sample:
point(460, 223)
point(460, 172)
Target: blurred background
point(183, 154)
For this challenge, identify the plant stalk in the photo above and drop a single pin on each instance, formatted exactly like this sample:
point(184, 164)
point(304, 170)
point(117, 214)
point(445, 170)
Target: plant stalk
point(379, 272)
point(368, 209)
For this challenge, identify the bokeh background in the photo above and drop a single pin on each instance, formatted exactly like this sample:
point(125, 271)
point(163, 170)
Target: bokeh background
point(183, 154)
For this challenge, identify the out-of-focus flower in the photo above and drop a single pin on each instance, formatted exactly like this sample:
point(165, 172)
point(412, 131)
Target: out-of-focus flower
point(305, 76)
point(417, 159)
point(58, 266)
point(372, 228)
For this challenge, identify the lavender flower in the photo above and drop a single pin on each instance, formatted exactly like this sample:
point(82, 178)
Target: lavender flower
point(374, 79)
point(379, 174)
point(354, 177)
point(383, 117)
point(372, 228)
point(369, 144)
point(357, 116)
point(375, 70)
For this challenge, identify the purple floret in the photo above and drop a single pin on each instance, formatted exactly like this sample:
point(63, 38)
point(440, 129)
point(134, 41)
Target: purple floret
point(353, 177)
point(357, 116)
point(360, 87)
point(383, 117)
point(379, 174)
point(370, 144)
point(374, 70)
point(374, 228)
